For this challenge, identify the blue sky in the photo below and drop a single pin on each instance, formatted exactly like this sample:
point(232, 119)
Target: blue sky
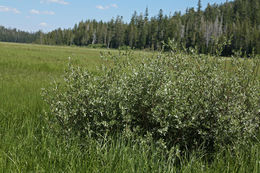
point(46, 15)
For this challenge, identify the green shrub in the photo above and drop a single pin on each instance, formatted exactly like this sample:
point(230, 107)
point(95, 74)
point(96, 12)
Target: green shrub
point(175, 99)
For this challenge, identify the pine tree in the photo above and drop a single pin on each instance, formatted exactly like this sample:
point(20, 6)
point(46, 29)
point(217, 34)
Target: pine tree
point(199, 6)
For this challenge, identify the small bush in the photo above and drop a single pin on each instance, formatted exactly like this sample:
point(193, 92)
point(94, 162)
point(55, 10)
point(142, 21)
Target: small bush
point(176, 99)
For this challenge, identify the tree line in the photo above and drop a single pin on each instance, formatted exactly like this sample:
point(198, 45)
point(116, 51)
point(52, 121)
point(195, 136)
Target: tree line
point(14, 35)
point(237, 21)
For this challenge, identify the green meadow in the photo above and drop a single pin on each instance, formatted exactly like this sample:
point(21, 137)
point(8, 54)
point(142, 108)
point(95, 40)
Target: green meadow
point(24, 70)
point(26, 144)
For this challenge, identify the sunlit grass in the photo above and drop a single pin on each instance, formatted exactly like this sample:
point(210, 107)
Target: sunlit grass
point(27, 146)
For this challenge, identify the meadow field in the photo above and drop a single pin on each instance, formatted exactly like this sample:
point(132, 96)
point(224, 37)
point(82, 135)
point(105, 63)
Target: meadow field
point(27, 145)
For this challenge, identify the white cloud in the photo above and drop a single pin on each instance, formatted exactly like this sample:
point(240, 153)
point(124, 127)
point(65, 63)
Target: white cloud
point(9, 9)
point(62, 2)
point(114, 5)
point(33, 11)
point(101, 7)
point(43, 24)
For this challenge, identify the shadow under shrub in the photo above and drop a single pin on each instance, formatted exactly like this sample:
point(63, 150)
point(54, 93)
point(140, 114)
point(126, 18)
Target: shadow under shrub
point(174, 99)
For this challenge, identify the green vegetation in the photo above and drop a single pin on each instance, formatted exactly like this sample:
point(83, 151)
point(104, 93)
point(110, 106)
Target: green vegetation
point(237, 20)
point(29, 142)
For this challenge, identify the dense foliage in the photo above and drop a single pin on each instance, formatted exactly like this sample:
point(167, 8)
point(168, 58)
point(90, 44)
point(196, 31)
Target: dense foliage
point(27, 144)
point(14, 35)
point(238, 21)
point(174, 99)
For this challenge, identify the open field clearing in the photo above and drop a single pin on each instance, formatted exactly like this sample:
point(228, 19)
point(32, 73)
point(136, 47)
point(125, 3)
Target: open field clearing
point(27, 144)
point(24, 70)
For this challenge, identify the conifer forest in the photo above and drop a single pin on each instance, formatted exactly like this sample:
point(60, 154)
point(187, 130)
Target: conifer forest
point(237, 21)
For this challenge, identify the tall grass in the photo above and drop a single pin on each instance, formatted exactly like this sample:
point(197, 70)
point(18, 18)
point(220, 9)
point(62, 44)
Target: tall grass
point(27, 145)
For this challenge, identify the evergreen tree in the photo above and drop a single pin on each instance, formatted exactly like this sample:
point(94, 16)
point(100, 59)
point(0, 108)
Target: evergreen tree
point(238, 20)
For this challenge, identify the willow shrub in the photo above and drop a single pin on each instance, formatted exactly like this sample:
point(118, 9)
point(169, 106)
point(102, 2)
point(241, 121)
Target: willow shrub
point(174, 99)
